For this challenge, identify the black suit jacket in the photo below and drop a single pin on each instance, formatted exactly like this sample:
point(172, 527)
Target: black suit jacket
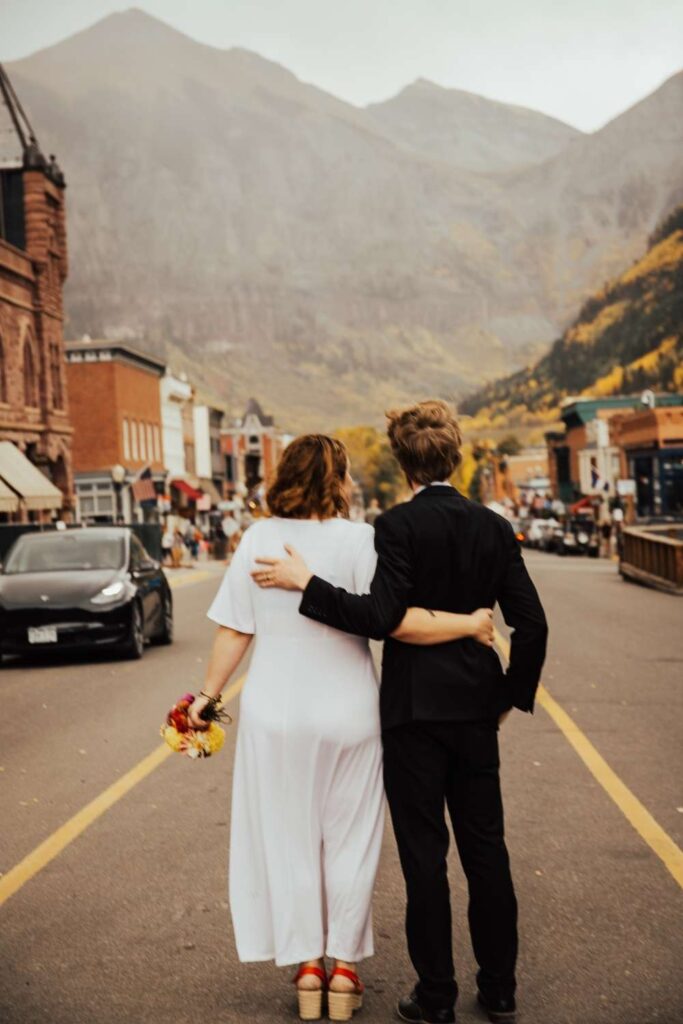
point(441, 551)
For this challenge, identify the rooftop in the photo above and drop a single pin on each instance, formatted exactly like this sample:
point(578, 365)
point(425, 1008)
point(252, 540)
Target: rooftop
point(254, 409)
point(581, 410)
point(88, 351)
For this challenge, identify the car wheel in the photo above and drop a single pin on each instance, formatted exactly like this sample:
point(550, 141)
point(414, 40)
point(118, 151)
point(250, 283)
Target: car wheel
point(135, 645)
point(165, 634)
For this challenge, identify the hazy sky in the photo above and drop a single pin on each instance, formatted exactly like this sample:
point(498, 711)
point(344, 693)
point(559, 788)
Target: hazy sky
point(583, 61)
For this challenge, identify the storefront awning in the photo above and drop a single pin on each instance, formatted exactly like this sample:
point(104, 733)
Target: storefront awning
point(186, 488)
point(33, 487)
point(209, 487)
point(8, 499)
point(583, 503)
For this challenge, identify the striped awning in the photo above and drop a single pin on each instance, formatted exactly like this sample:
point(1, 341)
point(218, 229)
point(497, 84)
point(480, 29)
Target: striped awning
point(33, 487)
point(8, 499)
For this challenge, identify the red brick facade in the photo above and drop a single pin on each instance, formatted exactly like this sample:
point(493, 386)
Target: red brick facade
point(33, 399)
point(115, 407)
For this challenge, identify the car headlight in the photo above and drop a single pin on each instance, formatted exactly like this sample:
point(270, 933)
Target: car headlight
point(583, 538)
point(109, 593)
point(569, 538)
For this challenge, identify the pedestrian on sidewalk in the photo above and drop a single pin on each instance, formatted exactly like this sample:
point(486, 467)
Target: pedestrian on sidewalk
point(232, 531)
point(307, 805)
point(177, 549)
point(441, 707)
point(167, 544)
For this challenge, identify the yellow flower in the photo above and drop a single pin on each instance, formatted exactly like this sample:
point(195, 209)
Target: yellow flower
point(175, 739)
point(196, 744)
point(213, 739)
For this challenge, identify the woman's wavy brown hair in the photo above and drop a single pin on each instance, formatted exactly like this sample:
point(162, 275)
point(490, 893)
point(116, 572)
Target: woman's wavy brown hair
point(309, 480)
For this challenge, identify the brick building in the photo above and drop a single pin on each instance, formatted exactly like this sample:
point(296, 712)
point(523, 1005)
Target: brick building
point(592, 453)
point(33, 267)
point(650, 444)
point(584, 448)
point(115, 404)
point(252, 448)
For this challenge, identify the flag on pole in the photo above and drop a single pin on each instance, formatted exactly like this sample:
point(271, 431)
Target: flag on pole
point(142, 487)
point(598, 482)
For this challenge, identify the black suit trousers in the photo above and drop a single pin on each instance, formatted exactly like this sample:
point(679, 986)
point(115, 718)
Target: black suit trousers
point(429, 766)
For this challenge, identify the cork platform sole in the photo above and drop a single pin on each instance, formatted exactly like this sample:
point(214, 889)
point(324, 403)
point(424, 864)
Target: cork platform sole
point(343, 1005)
point(310, 1004)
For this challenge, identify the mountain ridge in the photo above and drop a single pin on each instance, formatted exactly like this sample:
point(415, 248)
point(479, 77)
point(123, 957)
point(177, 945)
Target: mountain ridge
point(221, 207)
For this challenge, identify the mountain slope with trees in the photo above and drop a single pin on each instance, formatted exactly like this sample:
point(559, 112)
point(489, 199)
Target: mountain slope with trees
point(627, 337)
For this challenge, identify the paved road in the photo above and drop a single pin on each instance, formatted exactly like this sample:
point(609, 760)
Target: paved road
point(129, 923)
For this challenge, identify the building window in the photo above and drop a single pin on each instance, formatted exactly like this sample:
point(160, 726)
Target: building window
point(30, 378)
point(134, 439)
point(126, 438)
point(141, 435)
point(157, 444)
point(150, 444)
point(95, 501)
point(56, 376)
point(3, 378)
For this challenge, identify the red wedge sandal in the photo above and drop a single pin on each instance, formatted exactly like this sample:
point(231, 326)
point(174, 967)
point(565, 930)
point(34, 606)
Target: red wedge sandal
point(311, 999)
point(343, 1005)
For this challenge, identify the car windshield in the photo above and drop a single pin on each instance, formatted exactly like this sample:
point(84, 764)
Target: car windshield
point(64, 552)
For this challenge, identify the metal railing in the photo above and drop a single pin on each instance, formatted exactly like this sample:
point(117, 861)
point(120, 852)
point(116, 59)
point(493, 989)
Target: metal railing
point(653, 555)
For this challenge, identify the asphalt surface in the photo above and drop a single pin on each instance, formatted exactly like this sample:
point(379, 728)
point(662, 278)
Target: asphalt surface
point(130, 922)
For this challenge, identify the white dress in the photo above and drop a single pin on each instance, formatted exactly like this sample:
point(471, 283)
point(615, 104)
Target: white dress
point(307, 803)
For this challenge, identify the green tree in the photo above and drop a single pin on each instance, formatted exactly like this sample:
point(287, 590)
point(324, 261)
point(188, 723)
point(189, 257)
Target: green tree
point(510, 445)
point(373, 464)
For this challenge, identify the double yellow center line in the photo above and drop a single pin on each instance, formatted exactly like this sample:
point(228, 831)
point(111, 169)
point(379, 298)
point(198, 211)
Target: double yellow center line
point(630, 806)
point(632, 809)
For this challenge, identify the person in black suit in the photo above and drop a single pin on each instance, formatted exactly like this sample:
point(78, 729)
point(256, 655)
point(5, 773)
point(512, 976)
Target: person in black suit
point(441, 706)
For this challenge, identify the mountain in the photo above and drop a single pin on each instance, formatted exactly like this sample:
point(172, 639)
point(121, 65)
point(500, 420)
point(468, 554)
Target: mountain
point(627, 337)
point(469, 131)
point(590, 209)
point(279, 241)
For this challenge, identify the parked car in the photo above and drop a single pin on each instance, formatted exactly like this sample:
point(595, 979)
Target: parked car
point(519, 527)
point(546, 533)
point(578, 536)
point(94, 588)
point(535, 530)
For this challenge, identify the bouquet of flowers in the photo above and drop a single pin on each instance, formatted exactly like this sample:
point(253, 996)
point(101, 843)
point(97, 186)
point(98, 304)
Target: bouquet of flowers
point(180, 735)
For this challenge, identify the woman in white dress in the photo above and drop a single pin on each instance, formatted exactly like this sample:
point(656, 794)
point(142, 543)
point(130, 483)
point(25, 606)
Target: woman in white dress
point(307, 802)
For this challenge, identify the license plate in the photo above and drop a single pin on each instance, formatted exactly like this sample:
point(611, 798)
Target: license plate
point(42, 634)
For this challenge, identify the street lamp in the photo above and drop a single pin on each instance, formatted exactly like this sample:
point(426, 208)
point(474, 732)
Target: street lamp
point(118, 475)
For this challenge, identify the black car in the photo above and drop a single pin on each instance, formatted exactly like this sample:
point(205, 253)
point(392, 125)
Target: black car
point(94, 588)
point(578, 536)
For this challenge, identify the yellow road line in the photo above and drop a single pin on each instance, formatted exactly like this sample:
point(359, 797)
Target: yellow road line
point(51, 847)
point(629, 805)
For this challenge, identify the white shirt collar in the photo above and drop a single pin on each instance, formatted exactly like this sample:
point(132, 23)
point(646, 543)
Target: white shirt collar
point(433, 483)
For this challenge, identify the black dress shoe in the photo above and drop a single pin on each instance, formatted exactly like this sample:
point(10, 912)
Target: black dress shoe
point(409, 1009)
point(500, 1009)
